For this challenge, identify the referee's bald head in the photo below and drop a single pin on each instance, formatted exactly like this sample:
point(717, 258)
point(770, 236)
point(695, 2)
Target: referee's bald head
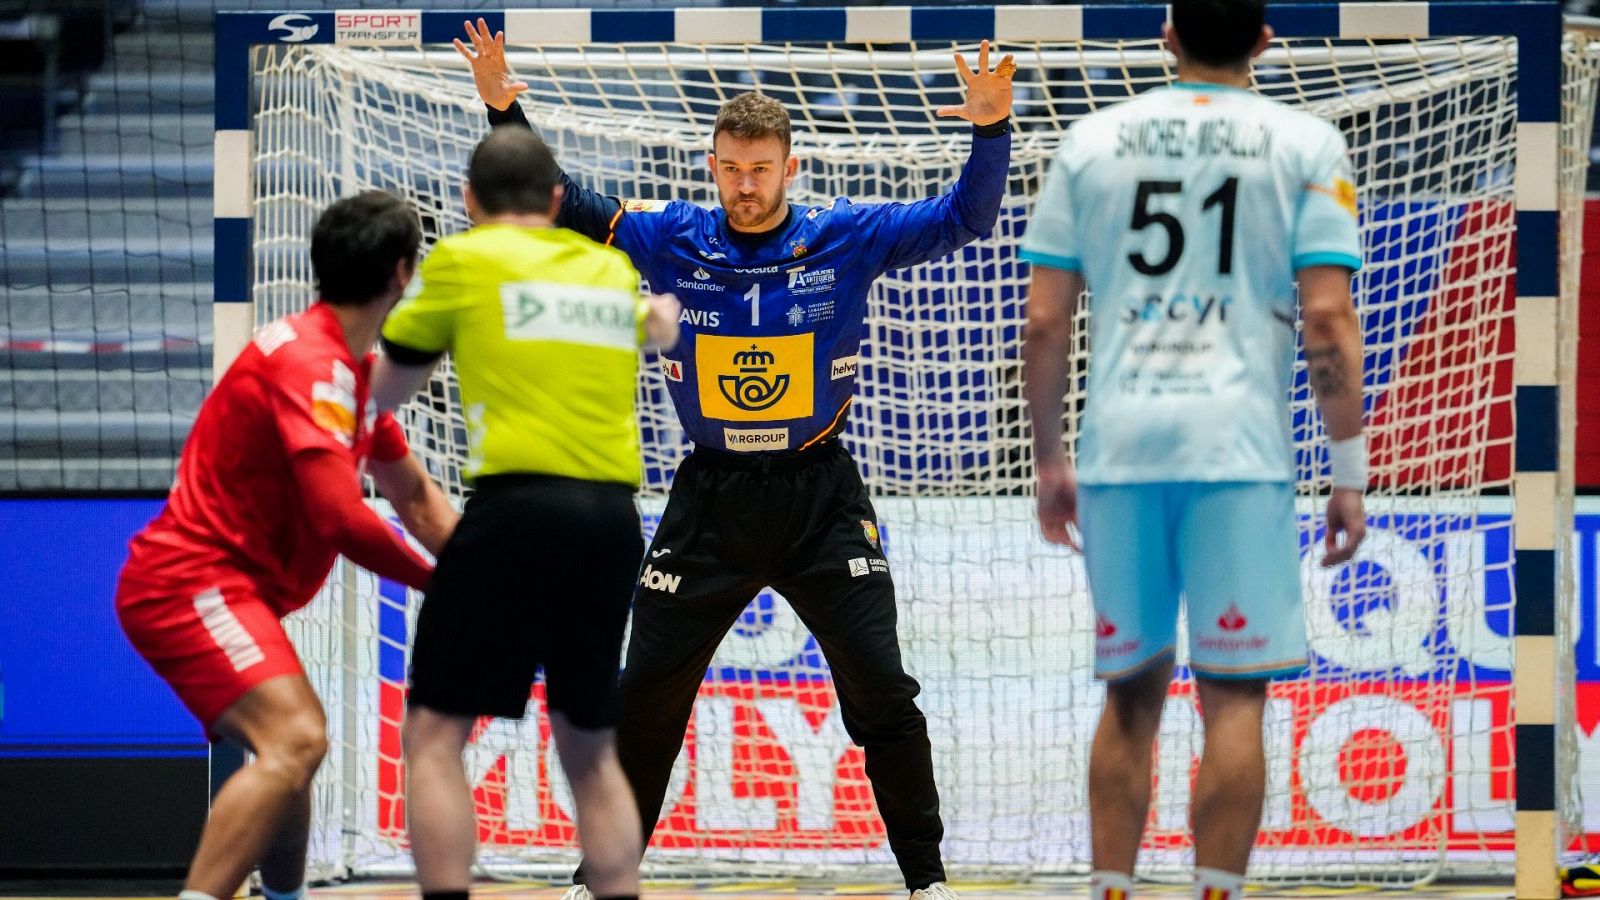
point(513, 171)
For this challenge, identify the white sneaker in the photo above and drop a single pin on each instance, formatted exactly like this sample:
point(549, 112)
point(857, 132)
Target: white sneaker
point(936, 891)
point(578, 892)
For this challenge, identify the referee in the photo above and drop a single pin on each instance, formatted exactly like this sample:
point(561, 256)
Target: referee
point(775, 296)
point(545, 326)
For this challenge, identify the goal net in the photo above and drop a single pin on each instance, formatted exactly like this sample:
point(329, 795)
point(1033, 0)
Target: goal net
point(1389, 762)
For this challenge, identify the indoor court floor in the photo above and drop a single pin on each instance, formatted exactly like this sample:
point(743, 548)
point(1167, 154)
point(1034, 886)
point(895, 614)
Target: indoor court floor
point(780, 890)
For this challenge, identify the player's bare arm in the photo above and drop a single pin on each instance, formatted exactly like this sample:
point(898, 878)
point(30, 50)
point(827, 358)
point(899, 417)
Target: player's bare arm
point(395, 383)
point(422, 507)
point(661, 321)
point(490, 71)
point(988, 90)
point(1052, 303)
point(1333, 364)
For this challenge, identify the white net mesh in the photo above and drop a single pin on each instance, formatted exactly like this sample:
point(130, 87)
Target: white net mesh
point(1389, 762)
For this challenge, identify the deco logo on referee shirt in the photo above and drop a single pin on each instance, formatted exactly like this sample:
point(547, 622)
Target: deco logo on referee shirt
point(755, 379)
point(571, 313)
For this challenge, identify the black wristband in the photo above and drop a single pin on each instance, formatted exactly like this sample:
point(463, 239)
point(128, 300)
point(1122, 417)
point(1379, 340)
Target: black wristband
point(408, 356)
point(993, 129)
point(512, 113)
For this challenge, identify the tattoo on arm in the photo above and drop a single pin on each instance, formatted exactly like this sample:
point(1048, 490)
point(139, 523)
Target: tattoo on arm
point(1326, 372)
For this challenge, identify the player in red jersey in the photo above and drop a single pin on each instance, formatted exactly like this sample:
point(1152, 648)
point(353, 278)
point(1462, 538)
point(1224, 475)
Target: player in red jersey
point(268, 494)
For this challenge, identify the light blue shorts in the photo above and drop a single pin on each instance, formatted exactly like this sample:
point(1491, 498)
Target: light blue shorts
point(1229, 549)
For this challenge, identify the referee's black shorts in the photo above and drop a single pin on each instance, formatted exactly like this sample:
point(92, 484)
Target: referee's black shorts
point(540, 572)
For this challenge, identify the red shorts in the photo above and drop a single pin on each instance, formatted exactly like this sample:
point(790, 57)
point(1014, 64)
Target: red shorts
point(212, 640)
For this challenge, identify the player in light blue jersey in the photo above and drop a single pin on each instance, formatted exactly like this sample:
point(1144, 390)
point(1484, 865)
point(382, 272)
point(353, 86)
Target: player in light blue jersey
point(1189, 213)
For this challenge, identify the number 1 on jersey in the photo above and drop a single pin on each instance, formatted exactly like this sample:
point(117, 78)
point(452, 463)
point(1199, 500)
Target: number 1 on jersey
point(1227, 195)
point(754, 296)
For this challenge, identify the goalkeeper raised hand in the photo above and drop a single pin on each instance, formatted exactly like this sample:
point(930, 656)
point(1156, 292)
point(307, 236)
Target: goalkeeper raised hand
point(774, 295)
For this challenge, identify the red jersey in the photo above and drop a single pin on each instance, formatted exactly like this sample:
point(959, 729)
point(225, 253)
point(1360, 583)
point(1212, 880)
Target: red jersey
point(236, 505)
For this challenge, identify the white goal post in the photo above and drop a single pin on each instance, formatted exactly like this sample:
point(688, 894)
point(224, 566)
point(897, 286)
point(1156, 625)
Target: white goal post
point(1434, 733)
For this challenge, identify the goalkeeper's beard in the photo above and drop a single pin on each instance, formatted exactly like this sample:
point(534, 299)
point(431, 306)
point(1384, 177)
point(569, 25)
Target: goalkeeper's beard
point(741, 216)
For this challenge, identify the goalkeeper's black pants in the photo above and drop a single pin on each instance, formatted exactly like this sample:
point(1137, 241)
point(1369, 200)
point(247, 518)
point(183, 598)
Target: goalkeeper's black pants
point(803, 524)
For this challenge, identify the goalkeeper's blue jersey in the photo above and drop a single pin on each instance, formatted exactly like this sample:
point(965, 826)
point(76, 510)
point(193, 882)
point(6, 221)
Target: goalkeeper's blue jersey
point(772, 323)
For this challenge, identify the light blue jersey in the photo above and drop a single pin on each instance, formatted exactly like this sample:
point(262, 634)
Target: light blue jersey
point(1189, 209)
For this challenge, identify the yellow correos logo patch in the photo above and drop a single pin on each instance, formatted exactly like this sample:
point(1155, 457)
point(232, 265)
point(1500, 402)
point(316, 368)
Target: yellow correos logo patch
point(754, 379)
point(1345, 193)
point(1342, 192)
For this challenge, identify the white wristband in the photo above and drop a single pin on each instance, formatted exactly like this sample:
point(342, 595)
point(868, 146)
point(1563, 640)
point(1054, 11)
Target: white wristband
point(1348, 460)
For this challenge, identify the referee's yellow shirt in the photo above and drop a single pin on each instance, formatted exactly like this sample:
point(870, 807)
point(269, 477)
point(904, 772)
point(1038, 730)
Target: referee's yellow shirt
point(545, 327)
